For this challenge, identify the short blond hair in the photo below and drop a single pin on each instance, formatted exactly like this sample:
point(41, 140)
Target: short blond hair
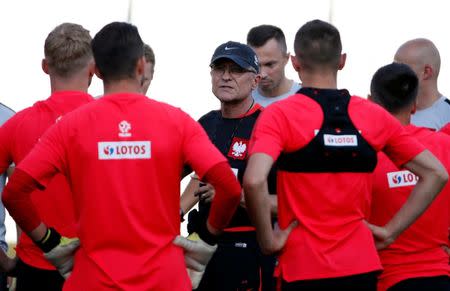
point(68, 49)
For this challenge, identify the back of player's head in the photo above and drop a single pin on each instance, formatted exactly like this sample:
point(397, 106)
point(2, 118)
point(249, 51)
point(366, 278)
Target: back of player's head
point(260, 35)
point(394, 87)
point(117, 48)
point(67, 49)
point(149, 54)
point(318, 45)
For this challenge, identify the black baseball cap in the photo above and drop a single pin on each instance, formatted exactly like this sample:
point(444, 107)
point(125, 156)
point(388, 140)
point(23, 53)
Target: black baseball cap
point(240, 53)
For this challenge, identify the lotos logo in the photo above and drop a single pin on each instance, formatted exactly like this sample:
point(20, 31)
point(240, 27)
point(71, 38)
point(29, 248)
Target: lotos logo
point(108, 150)
point(397, 179)
point(401, 179)
point(340, 140)
point(124, 150)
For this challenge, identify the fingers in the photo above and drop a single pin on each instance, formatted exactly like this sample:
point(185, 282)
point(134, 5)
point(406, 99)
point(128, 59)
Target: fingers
point(280, 237)
point(183, 242)
point(377, 231)
point(205, 192)
point(193, 264)
point(291, 227)
point(73, 245)
point(446, 249)
point(371, 226)
point(242, 202)
point(66, 275)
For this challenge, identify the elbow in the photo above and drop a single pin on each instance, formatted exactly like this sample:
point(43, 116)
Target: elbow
point(251, 182)
point(442, 176)
point(437, 176)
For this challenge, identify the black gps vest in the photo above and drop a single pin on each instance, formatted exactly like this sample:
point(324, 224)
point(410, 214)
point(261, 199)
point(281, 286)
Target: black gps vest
point(222, 132)
point(337, 146)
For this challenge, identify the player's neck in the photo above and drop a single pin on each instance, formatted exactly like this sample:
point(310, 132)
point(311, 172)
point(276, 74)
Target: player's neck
point(72, 84)
point(122, 86)
point(403, 117)
point(426, 97)
point(319, 80)
point(235, 110)
point(284, 87)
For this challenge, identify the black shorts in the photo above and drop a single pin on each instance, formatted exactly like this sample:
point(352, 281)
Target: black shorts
point(360, 282)
point(236, 265)
point(30, 278)
point(439, 283)
point(3, 282)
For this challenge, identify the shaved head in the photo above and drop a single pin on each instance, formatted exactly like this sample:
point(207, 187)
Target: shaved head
point(418, 53)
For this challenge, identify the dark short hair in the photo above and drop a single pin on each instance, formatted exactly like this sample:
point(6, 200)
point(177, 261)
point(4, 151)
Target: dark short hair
point(394, 87)
point(318, 44)
point(117, 47)
point(259, 35)
point(149, 54)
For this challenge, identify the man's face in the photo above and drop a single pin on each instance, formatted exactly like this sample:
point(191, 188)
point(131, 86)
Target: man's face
point(230, 82)
point(148, 77)
point(272, 63)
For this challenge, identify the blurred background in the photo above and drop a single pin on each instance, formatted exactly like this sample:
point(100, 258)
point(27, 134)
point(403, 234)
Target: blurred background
point(184, 34)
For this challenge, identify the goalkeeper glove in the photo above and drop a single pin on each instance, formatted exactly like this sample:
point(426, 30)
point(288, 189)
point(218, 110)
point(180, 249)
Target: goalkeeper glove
point(59, 251)
point(197, 254)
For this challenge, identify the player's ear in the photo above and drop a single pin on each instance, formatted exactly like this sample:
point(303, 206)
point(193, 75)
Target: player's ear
point(97, 73)
point(140, 66)
point(342, 60)
point(295, 63)
point(44, 65)
point(256, 81)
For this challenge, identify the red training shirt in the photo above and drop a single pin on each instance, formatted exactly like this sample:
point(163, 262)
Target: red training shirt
point(17, 137)
point(332, 239)
point(446, 129)
point(417, 252)
point(123, 156)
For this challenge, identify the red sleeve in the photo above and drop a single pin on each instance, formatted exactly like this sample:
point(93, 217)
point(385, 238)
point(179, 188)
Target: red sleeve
point(199, 152)
point(446, 129)
point(267, 136)
point(401, 147)
point(16, 198)
point(383, 131)
point(228, 195)
point(33, 172)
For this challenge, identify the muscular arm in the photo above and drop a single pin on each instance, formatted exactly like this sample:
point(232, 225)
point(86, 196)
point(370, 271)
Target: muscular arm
point(273, 205)
point(259, 204)
point(257, 198)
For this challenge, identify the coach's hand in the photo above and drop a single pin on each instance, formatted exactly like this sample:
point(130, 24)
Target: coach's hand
point(205, 192)
point(59, 251)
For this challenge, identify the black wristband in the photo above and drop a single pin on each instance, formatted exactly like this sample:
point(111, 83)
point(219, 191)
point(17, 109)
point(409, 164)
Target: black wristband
point(205, 235)
point(50, 240)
